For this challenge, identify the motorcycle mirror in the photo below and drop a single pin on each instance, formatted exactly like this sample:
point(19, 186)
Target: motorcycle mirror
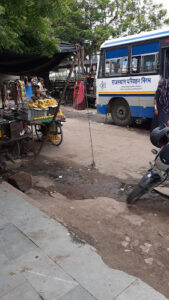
point(154, 151)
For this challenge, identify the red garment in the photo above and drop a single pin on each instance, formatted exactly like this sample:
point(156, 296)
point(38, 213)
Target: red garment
point(80, 97)
point(76, 89)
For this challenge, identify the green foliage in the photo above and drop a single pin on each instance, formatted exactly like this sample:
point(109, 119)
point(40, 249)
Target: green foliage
point(26, 26)
point(97, 20)
point(35, 26)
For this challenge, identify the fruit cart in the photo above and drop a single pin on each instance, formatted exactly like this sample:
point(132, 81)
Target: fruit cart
point(45, 121)
point(40, 120)
point(25, 129)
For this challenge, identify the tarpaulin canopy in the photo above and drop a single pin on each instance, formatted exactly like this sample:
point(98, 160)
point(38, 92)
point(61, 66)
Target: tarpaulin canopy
point(15, 64)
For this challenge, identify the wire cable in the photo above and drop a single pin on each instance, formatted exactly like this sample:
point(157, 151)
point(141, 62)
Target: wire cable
point(93, 164)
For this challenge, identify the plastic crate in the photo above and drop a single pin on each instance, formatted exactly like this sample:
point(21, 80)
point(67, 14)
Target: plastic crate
point(31, 113)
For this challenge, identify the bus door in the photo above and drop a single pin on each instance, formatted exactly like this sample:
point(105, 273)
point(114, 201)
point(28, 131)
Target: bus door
point(164, 58)
point(165, 63)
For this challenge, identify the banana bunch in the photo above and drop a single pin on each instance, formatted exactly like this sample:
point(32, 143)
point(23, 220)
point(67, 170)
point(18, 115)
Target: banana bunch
point(32, 105)
point(50, 102)
point(42, 103)
point(42, 118)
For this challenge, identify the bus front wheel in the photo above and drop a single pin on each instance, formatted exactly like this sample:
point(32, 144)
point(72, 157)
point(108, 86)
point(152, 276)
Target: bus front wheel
point(121, 113)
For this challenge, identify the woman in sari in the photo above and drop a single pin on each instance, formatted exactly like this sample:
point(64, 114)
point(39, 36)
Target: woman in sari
point(161, 105)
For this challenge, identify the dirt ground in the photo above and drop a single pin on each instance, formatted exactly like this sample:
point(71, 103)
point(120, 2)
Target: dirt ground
point(91, 201)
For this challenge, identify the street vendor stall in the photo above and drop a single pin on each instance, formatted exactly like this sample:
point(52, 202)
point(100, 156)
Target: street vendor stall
point(24, 121)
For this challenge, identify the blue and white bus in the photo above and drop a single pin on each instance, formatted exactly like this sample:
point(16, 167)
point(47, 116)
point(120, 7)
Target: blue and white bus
point(128, 73)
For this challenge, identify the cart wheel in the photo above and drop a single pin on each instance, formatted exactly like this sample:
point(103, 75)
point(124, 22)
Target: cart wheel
point(38, 145)
point(41, 138)
point(59, 135)
point(27, 145)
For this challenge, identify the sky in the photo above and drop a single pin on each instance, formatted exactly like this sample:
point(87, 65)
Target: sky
point(165, 4)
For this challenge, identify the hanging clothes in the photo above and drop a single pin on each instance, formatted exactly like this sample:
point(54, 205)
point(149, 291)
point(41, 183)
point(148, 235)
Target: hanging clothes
point(81, 97)
point(21, 91)
point(76, 90)
point(28, 90)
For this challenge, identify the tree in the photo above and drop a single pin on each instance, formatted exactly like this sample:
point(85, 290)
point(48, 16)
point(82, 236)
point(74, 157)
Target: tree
point(97, 20)
point(35, 26)
point(27, 26)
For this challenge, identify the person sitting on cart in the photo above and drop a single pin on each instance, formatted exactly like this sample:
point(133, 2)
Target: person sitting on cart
point(38, 94)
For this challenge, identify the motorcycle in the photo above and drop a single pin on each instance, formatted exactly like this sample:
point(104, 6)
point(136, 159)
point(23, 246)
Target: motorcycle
point(159, 170)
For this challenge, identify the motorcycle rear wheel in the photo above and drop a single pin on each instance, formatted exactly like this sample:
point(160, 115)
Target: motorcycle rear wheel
point(135, 194)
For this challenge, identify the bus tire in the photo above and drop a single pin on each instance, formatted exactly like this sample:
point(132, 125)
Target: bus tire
point(121, 113)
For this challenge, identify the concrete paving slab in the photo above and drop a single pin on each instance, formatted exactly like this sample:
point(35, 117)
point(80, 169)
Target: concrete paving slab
point(3, 257)
point(44, 224)
point(9, 279)
point(47, 278)
point(49, 235)
point(37, 262)
point(86, 266)
point(14, 207)
point(140, 291)
point(3, 220)
point(78, 294)
point(22, 292)
point(13, 242)
point(57, 246)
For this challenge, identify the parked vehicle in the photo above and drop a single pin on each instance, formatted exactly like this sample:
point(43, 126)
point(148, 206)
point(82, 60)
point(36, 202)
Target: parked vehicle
point(128, 74)
point(159, 170)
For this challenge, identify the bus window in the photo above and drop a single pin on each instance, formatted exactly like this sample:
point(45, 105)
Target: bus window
point(101, 65)
point(135, 64)
point(144, 58)
point(116, 62)
point(107, 68)
point(124, 66)
point(112, 67)
point(149, 63)
point(116, 66)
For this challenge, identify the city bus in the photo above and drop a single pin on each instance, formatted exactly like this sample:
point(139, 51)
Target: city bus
point(128, 73)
